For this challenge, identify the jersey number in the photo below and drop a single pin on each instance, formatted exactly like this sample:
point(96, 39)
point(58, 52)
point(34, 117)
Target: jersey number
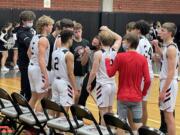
point(56, 62)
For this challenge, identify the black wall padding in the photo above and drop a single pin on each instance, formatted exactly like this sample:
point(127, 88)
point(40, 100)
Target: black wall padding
point(91, 21)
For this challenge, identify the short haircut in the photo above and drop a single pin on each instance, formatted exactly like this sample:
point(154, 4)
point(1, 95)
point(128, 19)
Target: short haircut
point(27, 16)
point(67, 23)
point(106, 38)
point(66, 35)
point(57, 25)
point(130, 26)
point(143, 26)
point(43, 21)
point(78, 26)
point(171, 27)
point(133, 39)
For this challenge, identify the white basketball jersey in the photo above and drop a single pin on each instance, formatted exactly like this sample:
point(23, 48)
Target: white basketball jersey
point(59, 63)
point(35, 51)
point(146, 50)
point(101, 75)
point(164, 63)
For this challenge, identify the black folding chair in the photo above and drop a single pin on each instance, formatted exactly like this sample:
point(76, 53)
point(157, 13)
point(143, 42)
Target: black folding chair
point(80, 112)
point(36, 120)
point(144, 130)
point(63, 123)
point(8, 112)
point(113, 120)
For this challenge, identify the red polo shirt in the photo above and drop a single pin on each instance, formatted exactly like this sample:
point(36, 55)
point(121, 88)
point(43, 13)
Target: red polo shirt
point(132, 68)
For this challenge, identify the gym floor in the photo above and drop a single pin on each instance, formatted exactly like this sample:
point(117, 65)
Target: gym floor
point(10, 81)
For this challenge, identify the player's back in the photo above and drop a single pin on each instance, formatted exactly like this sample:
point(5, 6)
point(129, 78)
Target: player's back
point(145, 48)
point(101, 76)
point(59, 63)
point(35, 50)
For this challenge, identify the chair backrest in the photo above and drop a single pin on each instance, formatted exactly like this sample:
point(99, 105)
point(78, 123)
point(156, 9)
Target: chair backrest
point(144, 130)
point(50, 105)
point(113, 120)
point(21, 101)
point(6, 96)
point(80, 112)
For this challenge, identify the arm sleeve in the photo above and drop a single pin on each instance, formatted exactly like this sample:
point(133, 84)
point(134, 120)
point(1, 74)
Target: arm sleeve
point(111, 68)
point(25, 39)
point(147, 80)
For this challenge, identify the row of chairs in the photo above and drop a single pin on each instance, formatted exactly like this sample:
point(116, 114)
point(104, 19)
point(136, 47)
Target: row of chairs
point(15, 108)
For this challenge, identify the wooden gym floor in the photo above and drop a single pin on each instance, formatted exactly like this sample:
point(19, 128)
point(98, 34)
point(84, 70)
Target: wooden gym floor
point(11, 82)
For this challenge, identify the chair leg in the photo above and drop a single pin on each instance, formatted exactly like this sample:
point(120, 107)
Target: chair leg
point(18, 133)
point(18, 128)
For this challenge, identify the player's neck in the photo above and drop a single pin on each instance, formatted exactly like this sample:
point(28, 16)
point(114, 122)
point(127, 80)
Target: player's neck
point(44, 33)
point(168, 41)
point(105, 47)
point(78, 39)
point(65, 46)
point(131, 49)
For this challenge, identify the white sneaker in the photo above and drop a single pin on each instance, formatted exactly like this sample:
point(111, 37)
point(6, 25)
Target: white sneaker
point(4, 69)
point(16, 67)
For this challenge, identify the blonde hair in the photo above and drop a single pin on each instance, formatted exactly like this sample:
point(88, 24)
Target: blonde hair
point(171, 27)
point(106, 38)
point(43, 21)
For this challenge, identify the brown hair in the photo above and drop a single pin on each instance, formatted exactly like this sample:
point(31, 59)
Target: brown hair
point(130, 26)
point(78, 26)
point(106, 38)
point(27, 16)
point(171, 27)
point(43, 21)
point(132, 39)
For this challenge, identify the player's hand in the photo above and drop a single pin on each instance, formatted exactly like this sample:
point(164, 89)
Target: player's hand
point(155, 43)
point(104, 28)
point(46, 82)
point(87, 50)
point(162, 96)
point(88, 88)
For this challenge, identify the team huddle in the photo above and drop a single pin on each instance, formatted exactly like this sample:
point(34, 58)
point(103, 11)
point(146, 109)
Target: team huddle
point(66, 68)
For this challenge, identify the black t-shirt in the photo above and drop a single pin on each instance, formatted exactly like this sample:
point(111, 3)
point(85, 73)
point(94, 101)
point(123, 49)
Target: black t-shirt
point(77, 49)
point(121, 49)
point(51, 39)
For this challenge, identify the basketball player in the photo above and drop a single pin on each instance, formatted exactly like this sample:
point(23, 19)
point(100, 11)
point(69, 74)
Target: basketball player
point(38, 53)
point(105, 86)
point(144, 48)
point(64, 84)
point(168, 74)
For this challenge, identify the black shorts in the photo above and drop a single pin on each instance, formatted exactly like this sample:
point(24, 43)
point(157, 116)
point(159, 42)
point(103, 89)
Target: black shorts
point(2, 48)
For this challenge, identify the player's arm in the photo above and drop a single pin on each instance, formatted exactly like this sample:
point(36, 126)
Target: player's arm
point(29, 52)
point(117, 37)
point(95, 67)
point(2, 37)
point(85, 56)
point(111, 68)
point(158, 50)
point(147, 80)
point(70, 70)
point(26, 39)
point(171, 59)
point(58, 42)
point(42, 46)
